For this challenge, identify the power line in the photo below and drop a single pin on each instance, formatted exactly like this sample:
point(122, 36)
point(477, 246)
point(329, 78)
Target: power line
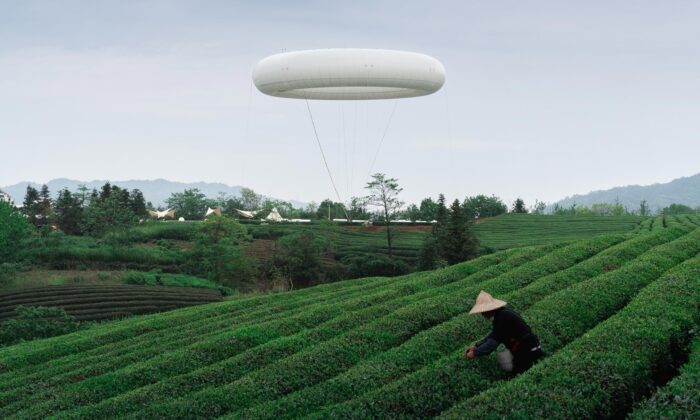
point(323, 155)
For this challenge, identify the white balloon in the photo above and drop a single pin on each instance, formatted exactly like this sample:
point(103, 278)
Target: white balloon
point(349, 74)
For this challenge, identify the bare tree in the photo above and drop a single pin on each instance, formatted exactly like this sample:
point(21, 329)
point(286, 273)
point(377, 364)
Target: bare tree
point(383, 194)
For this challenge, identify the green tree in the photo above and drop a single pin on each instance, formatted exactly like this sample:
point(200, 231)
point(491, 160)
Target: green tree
point(539, 207)
point(383, 193)
point(68, 212)
point(519, 206)
point(481, 205)
point(429, 255)
point(442, 216)
point(298, 257)
point(30, 205)
point(412, 213)
point(190, 204)
point(250, 199)
point(45, 206)
point(110, 210)
point(14, 231)
point(329, 210)
point(138, 203)
point(218, 252)
point(676, 208)
point(358, 209)
point(432, 250)
point(459, 243)
point(428, 209)
point(644, 208)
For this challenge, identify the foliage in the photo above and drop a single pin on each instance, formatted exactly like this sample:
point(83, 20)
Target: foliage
point(14, 231)
point(519, 206)
point(483, 206)
point(678, 399)
point(383, 193)
point(68, 212)
point(429, 256)
point(297, 257)
point(677, 209)
point(218, 252)
point(31, 206)
point(190, 204)
point(387, 347)
point(644, 208)
point(31, 323)
point(603, 372)
point(329, 210)
point(111, 210)
point(459, 242)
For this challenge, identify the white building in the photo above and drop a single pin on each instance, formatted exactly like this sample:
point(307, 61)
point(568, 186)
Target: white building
point(6, 197)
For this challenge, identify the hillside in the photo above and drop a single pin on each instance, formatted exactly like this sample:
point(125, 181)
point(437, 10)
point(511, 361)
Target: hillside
point(390, 347)
point(156, 190)
point(516, 230)
point(684, 190)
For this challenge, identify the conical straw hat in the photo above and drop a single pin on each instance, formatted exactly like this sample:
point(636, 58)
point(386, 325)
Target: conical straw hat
point(485, 302)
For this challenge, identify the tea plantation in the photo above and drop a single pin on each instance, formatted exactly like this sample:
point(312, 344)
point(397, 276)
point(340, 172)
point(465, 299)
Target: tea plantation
point(616, 314)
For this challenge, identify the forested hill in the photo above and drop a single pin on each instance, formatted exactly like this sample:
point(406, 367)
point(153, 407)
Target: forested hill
point(155, 190)
point(684, 190)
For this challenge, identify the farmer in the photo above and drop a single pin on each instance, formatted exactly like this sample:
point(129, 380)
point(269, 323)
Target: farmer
point(510, 329)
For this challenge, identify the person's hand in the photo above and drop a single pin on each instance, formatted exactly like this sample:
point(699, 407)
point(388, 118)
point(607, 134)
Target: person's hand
point(470, 352)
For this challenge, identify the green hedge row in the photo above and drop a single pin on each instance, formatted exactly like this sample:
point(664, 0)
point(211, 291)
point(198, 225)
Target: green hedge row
point(235, 367)
point(446, 338)
point(282, 327)
point(680, 398)
point(429, 390)
point(168, 340)
point(332, 357)
point(601, 374)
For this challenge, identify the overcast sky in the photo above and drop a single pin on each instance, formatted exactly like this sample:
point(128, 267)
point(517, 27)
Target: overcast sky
point(543, 99)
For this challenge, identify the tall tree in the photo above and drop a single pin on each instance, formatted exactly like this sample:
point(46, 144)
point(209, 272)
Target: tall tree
point(14, 228)
point(68, 212)
point(30, 205)
point(644, 208)
point(481, 205)
point(251, 200)
point(329, 209)
point(460, 244)
point(428, 209)
point(519, 206)
point(190, 204)
point(45, 205)
point(383, 193)
point(138, 203)
point(440, 227)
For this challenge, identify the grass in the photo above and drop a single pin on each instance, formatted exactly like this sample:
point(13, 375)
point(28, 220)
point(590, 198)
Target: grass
point(514, 230)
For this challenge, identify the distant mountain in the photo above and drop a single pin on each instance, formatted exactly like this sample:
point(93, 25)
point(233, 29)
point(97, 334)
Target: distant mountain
point(156, 191)
point(682, 190)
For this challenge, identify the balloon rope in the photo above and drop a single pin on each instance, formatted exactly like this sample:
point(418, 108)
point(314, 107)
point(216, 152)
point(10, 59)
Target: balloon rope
point(386, 130)
point(323, 155)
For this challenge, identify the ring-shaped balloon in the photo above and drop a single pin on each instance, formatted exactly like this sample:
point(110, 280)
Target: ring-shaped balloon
point(349, 74)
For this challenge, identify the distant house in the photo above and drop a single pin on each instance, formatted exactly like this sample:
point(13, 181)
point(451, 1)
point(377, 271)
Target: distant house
point(6, 197)
point(170, 213)
point(274, 216)
point(210, 211)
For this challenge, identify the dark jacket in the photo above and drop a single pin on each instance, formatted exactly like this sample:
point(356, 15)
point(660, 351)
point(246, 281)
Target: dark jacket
point(510, 329)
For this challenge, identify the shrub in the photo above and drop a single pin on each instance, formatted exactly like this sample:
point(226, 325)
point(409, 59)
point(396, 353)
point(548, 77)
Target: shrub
point(680, 398)
point(602, 373)
point(36, 322)
point(135, 277)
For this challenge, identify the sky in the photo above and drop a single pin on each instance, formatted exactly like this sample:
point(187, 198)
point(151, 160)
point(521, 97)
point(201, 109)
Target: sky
point(543, 99)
